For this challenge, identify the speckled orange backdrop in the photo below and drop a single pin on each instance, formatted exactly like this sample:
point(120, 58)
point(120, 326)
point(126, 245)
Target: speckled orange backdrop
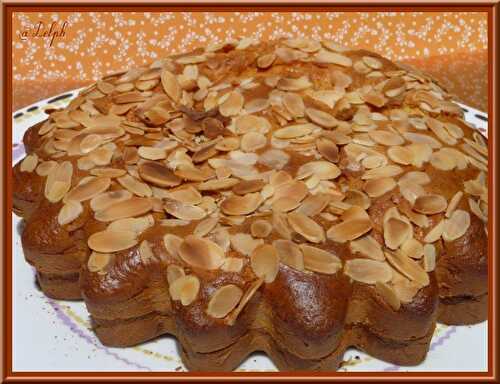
point(451, 46)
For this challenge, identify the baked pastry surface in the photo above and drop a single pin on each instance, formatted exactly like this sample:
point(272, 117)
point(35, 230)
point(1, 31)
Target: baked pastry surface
point(294, 197)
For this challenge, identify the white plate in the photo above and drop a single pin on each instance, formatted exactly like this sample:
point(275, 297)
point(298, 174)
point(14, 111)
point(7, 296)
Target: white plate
point(52, 335)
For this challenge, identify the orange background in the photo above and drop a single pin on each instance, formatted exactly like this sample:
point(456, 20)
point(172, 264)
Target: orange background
point(452, 46)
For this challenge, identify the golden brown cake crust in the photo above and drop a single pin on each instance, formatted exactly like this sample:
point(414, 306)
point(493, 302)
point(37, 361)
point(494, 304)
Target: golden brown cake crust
point(293, 197)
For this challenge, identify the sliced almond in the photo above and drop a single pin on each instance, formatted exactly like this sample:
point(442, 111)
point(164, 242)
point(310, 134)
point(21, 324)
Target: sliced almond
point(265, 61)
point(476, 210)
point(386, 171)
point(396, 232)
point(456, 226)
point(104, 200)
point(215, 185)
point(158, 174)
point(404, 288)
point(85, 191)
point(294, 84)
point(319, 260)
point(368, 271)
point(90, 142)
point(324, 170)
point(151, 153)
point(394, 87)
point(400, 155)
point(306, 227)
point(321, 118)
point(185, 289)
point(101, 156)
point(435, 233)
point(368, 247)
point(379, 187)
point(244, 243)
point(171, 86)
point(429, 261)
point(107, 172)
point(224, 300)
point(375, 98)
point(69, 212)
point(349, 230)
point(294, 131)
point(232, 264)
point(98, 262)
point(265, 262)
point(421, 138)
point(247, 296)
point(314, 204)
point(328, 149)
point(415, 177)
point(122, 209)
point(440, 131)
point(261, 228)
point(430, 204)
point(386, 137)
point(29, 163)
point(187, 195)
point(183, 211)
point(192, 173)
point(232, 105)
point(172, 244)
point(249, 123)
point(135, 224)
point(294, 104)
point(45, 167)
point(408, 267)
point(411, 191)
point(135, 186)
point(174, 272)
point(412, 248)
point(252, 141)
point(453, 203)
point(372, 62)
point(204, 227)
point(58, 182)
point(443, 160)
point(328, 57)
point(421, 153)
point(289, 253)
point(201, 253)
point(241, 205)
point(353, 197)
point(111, 241)
point(248, 186)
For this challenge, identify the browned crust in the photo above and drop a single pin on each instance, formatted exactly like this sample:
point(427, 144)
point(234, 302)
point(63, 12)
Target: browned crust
point(64, 286)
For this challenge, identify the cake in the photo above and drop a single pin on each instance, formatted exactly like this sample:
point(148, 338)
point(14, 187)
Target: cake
point(294, 197)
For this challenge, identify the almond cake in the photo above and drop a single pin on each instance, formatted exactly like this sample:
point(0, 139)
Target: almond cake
point(293, 196)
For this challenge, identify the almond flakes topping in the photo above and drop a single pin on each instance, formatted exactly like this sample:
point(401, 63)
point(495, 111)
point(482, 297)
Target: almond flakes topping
point(224, 300)
point(111, 241)
point(185, 289)
point(368, 271)
point(319, 260)
point(456, 226)
point(241, 205)
point(349, 230)
point(265, 262)
point(122, 209)
point(430, 204)
point(201, 253)
point(306, 227)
